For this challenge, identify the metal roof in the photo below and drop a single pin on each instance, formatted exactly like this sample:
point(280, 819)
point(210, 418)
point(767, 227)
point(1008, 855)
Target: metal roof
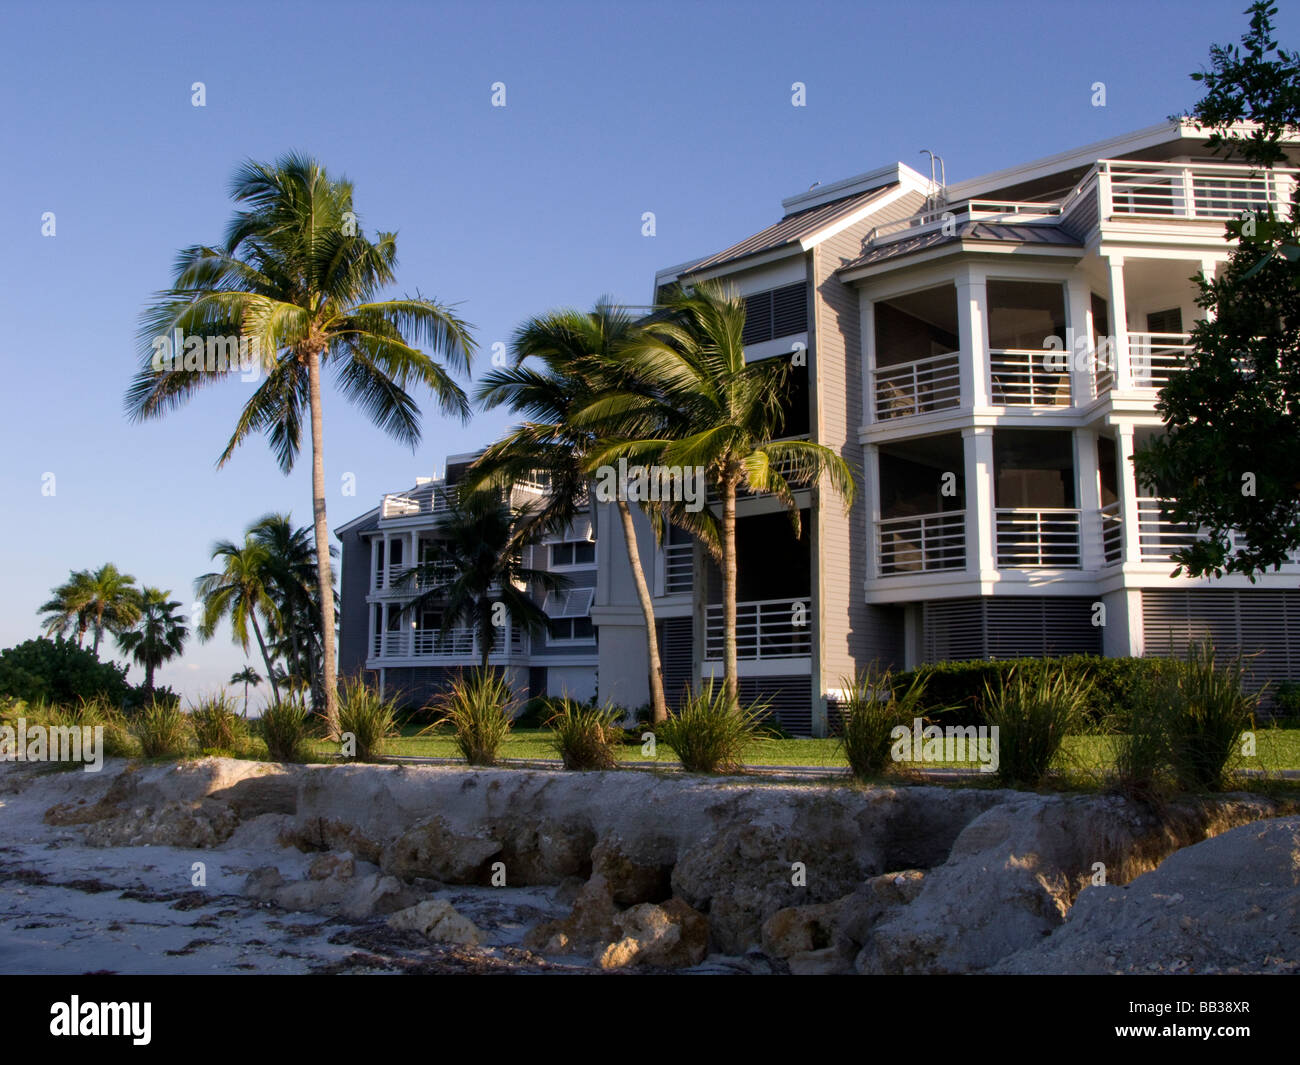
point(989, 232)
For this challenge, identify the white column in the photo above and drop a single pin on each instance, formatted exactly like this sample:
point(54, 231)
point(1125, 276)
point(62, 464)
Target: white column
point(871, 496)
point(381, 578)
point(1128, 494)
point(1119, 312)
point(1208, 268)
point(1088, 495)
point(868, 310)
point(981, 522)
point(972, 301)
point(1078, 340)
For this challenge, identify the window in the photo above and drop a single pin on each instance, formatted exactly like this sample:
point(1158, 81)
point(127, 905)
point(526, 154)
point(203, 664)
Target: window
point(570, 616)
point(571, 630)
point(573, 553)
point(778, 312)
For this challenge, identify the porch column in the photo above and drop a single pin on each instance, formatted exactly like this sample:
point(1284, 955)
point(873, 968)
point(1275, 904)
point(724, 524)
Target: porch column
point(1119, 312)
point(1128, 495)
point(981, 521)
point(972, 301)
point(871, 496)
point(381, 578)
point(1078, 341)
point(1208, 268)
point(868, 308)
point(1088, 494)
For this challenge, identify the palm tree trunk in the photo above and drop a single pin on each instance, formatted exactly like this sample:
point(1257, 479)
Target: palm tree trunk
point(266, 660)
point(729, 669)
point(485, 630)
point(99, 632)
point(245, 700)
point(148, 677)
point(658, 705)
point(326, 579)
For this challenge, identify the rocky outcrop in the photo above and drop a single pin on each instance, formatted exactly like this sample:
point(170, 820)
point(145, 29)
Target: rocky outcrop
point(669, 936)
point(335, 884)
point(437, 921)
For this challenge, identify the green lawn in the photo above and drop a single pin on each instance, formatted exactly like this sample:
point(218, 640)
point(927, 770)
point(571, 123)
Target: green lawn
point(1277, 749)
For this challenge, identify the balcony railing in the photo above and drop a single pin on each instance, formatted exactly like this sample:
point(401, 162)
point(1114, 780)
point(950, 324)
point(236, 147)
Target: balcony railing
point(679, 568)
point(765, 629)
point(414, 504)
point(458, 643)
point(921, 543)
point(1027, 378)
point(430, 578)
point(1155, 357)
point(1032, 538)
point(917, 387)
point(962, 212)
point(1112, 534)
point(1176, 190)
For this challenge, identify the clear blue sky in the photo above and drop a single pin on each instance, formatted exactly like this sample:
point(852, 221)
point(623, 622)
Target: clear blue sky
point(613, 109)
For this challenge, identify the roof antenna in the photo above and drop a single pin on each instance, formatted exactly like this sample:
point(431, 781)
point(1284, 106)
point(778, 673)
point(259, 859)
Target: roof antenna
point(939, 196)
point(813, 185)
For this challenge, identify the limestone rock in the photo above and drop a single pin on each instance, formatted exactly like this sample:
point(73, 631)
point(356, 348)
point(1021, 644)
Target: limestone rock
point(670, 936)
point(589, 927)
point(356, 890)
point(176, 823)
point(432, 849)
point(646, 877)
point(437, 921)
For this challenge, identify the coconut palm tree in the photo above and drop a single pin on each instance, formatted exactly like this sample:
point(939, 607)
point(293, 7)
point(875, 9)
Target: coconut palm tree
point(477, 565)
point(574, 349)
point(246, 676)
point(158, 635)
point(68, 609)
point(716, 411)
point(298, 281)
point(240, 590)
point(111, 601)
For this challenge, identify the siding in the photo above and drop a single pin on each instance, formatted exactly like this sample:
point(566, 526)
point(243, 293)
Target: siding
point(354, 586)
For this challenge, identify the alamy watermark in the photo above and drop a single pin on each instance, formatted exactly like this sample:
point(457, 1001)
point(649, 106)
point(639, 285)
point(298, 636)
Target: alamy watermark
point(651, 484)
point(53, 743)
point(216, 354)
point(956, 743)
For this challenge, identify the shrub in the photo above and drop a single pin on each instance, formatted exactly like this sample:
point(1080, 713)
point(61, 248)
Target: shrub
point(1286, 700)
point(1210, 710)
point(479, 706)
point(118, 741)
point(1142, 750)
point(873, 706)
point(283, 727)
point(59, 672)
point(709, 733)
point(218, 725)
point(162, 730)
point(1033, 711)
point(535, 712)
point(586, 737)
point(368, 717)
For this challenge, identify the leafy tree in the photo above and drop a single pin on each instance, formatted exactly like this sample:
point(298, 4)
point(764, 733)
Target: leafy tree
point(159, 633)
point(106, 600)
point(58, 671)
point(68, 608)
point(240, 590)
point(1230, 454)
point(299, 281)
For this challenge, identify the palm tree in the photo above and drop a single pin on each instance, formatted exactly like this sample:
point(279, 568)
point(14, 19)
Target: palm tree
point(575, 350)
point(111, 603)
point(717, 412)
point(299, 281)
point(240, 590)
point(246, 676)
point(158, 635)
point(477, 545)
point(68, 609)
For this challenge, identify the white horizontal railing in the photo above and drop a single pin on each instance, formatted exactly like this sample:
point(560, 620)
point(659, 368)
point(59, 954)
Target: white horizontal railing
point(917, 387)
point(765, 629)
point(410, 505)
point(957, 214)
point(1201, 191)
point(679, 563)
point(1027, 537)
point(1155, 357)
point(1112, 534)
point(1159, 537)
point(1027, 378)
point(430, 578)
point(921, 543)
point(457, 643)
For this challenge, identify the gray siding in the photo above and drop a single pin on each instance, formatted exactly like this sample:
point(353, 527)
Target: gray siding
point(354, 585)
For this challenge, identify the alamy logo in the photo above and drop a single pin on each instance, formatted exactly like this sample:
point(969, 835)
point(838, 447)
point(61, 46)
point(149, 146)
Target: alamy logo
point(53, 743)
point(956, 743)
point(103, 1018)
point(651, 484)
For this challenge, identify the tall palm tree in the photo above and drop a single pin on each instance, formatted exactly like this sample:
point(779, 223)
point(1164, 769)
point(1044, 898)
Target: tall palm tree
point(68, 609)
point(574, 349)
point(297, 277)
point(716, 411)
point(158, 635)
point(112, 601)
point(241, 591)
point(246, 676)
point(477, 545)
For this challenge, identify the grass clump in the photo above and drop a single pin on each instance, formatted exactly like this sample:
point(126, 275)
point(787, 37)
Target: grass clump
point(218, 725)
point(586, 737)
point(872, 709)
point(284, 728)
point(1210, 710)
point(1033, 711)
point(479, 708)
point(367, 721)
point(709, 734)
point(162, 730)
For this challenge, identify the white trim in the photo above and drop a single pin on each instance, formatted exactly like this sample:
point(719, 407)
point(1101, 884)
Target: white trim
point(865, 211)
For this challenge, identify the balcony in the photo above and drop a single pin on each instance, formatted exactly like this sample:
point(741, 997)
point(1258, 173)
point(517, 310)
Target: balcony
point(1029, 538)
point(765, 629)
point(395, 578)
point(679, 568)
point(919, 387)
point(1153, 358)
point(921, 543)
point(459, 644)
point(1130, 190)
point(1027, 378)
point(423, 501)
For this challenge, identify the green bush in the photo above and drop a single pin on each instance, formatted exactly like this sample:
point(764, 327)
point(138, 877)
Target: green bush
point(1210, 710)
point(370, 718)
point(873, 706)
point(59, 672)
point(162, 729)
point(1286, 700)
point(709, 734)
point(479, 706)
point(535, 712)
point(218, 725)
point(1034, 710)
point(586, 737)
point(283, 727)
point(1142, 749)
